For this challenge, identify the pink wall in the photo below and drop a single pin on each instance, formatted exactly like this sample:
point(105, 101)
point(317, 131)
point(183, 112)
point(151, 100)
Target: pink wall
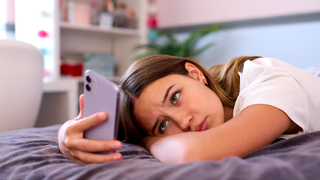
point(10, 11)
point(173, 13)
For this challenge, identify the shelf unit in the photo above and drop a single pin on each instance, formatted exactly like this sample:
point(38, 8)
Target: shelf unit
point(66, 39)
point(93, 28)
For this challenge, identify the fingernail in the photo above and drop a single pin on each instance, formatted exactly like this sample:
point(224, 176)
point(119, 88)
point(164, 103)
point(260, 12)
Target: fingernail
point(116, 145)
point(102, 116)
point(117, 157)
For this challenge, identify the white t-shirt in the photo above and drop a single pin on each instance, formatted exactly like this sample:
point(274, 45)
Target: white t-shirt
point(279, 84)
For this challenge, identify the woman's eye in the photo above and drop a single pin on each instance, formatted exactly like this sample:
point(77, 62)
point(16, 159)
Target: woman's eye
point(163, 126)
point(175, 97)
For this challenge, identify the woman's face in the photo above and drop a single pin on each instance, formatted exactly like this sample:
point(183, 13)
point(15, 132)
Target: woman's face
point(176, 104)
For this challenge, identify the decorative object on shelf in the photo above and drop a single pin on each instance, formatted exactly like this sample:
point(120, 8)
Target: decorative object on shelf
point(94, 12)
point(42, 34)
point(152, 20)
point(168, 44)
point(70, 16)
point(101, 63)
point(124, 17)
point(120, 18)
point(103, 13)
point(63, 10)
point(71, 65)
point(106, 20)
point(152, 8)
point(107, 15)
point(152, 35)
point(109, 6)
point(131, 18)
point(71, 70)
point(79, 13)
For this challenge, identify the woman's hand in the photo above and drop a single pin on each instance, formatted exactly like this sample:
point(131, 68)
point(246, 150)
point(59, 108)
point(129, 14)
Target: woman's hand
point(75, 147)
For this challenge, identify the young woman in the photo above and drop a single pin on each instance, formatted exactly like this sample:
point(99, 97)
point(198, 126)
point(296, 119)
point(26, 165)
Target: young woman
point(181, 112)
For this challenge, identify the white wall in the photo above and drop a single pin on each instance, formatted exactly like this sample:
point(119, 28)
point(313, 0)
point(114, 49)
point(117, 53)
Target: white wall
point(175, 13)
point(10, 11)
point(287, 29)
point(295, 43)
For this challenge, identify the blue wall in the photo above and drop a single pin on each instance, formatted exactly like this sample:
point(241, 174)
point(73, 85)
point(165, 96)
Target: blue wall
point(297, 43)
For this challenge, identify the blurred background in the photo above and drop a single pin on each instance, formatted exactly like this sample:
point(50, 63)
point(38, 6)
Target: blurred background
point(108, 35)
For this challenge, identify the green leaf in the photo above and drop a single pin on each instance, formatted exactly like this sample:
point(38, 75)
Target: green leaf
point(200, 50)
point(147, 46)
point(169, 37)
point(168, 44)
point(151, 52)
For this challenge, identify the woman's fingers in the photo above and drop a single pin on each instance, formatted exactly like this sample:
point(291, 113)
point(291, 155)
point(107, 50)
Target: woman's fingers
point(89, 145)
point(96, 158)
point(81, 102)
point(74, 146)
point(87, 123)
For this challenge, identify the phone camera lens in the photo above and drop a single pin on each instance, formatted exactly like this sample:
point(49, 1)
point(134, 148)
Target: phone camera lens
point(88, 79)
point(88, 87)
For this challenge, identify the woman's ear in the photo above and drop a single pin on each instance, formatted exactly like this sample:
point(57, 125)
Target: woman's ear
point(193, 71)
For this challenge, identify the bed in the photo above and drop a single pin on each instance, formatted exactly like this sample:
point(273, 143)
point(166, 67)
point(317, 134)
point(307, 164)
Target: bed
point(34, 154)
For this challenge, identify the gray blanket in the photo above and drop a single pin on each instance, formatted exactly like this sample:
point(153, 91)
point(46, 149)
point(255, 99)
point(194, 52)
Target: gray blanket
point(34, 154)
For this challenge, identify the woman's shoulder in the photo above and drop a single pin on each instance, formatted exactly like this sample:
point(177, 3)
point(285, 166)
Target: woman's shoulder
point(262, 68)
point(268, 62)
point(277, 83)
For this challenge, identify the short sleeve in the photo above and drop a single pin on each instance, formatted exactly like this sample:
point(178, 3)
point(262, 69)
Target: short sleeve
point(275, 87)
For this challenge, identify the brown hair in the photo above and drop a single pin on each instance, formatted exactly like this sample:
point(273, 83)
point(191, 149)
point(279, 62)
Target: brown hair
point(222, 79)
point(226, 75)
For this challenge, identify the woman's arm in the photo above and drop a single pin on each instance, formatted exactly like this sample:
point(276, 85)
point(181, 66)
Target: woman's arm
point(253, 128)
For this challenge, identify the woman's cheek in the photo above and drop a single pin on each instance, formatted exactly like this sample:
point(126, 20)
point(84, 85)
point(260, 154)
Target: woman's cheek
point(172, 129)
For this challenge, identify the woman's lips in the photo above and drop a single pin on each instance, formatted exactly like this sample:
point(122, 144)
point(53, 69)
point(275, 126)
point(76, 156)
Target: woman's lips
point(202, 126)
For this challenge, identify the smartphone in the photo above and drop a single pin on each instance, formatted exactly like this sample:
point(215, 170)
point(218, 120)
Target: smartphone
point(101, 95)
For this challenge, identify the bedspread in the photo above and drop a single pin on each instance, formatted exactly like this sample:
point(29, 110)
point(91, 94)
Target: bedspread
point(34, 154)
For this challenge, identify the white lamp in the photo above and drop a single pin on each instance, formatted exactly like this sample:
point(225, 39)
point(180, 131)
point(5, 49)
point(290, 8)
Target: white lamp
point(21, 73)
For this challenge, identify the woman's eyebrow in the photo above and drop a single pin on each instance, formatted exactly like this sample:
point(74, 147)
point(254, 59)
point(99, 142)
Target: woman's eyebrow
point(164, 99)
point(167, 92)
point(154, 126)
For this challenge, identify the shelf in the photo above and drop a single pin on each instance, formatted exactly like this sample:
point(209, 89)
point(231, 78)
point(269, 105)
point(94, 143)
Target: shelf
point(92, 28)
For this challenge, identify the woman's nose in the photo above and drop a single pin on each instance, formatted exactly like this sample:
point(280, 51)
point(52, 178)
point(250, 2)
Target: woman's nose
point(183, 120)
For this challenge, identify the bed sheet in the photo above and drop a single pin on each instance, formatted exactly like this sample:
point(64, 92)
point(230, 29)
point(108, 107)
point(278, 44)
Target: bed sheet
point(34, 154)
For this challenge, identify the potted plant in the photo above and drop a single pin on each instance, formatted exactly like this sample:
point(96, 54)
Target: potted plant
point(168, 44)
